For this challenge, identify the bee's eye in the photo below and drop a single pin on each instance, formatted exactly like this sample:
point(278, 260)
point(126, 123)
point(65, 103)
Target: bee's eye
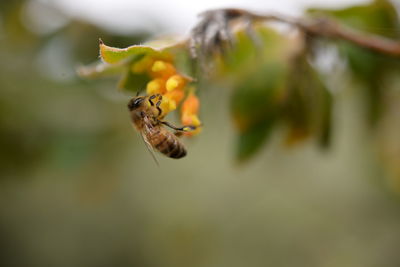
point(135, 103)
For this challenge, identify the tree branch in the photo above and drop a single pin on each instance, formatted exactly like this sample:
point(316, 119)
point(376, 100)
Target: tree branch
point(323, 27)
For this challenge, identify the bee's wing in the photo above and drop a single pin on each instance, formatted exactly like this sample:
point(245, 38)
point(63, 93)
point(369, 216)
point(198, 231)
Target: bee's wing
point(144, 134)
point(150, 148)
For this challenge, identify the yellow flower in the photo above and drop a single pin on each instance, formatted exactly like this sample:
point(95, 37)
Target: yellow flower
point(175, 95)
point(191, 104)
point(167, 105)
point(175, 82)
point(189, 114)
point(190, 120)
point(162, 69)
point(168, 83)
point(156, 86)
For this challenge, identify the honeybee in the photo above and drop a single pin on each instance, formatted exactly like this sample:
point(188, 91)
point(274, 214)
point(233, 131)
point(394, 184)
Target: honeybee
point(146, 116)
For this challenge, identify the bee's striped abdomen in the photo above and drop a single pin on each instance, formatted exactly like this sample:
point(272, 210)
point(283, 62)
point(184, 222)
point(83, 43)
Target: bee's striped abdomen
point(168, 144)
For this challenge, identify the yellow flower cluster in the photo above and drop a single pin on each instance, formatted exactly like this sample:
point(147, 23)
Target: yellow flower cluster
point(171, 85)
point(190, 109)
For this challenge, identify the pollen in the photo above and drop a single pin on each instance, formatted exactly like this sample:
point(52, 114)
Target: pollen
point(159, 66)
point(175, 82)
point(191, 120)
point(155, 86)
point(162, 69)
point(167, 105)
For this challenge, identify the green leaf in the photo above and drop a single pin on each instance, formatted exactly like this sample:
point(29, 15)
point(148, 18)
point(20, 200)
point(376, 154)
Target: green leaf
point(183, 61)
point(259, 74)
point(252, 140)
point(99, 70)
point(370, 70)
point(308, 106)
point(114, 55)
point(133, 82)
point(257, 95)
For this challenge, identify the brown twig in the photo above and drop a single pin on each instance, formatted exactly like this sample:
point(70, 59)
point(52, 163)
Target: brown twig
point(374, 42)
point(328, 28)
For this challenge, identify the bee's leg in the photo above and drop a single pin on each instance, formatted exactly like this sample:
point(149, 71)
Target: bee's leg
point(186, 128)
point(151, 98)
point(158, 105)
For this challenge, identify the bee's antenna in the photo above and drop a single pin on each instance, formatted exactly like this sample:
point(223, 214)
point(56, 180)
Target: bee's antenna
point(138, 92)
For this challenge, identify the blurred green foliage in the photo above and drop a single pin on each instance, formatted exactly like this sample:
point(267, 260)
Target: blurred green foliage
point(37, 84)
point(371, 69)
point(258, 83)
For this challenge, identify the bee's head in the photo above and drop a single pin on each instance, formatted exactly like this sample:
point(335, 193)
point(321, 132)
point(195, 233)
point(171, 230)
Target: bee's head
point(135, 102)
